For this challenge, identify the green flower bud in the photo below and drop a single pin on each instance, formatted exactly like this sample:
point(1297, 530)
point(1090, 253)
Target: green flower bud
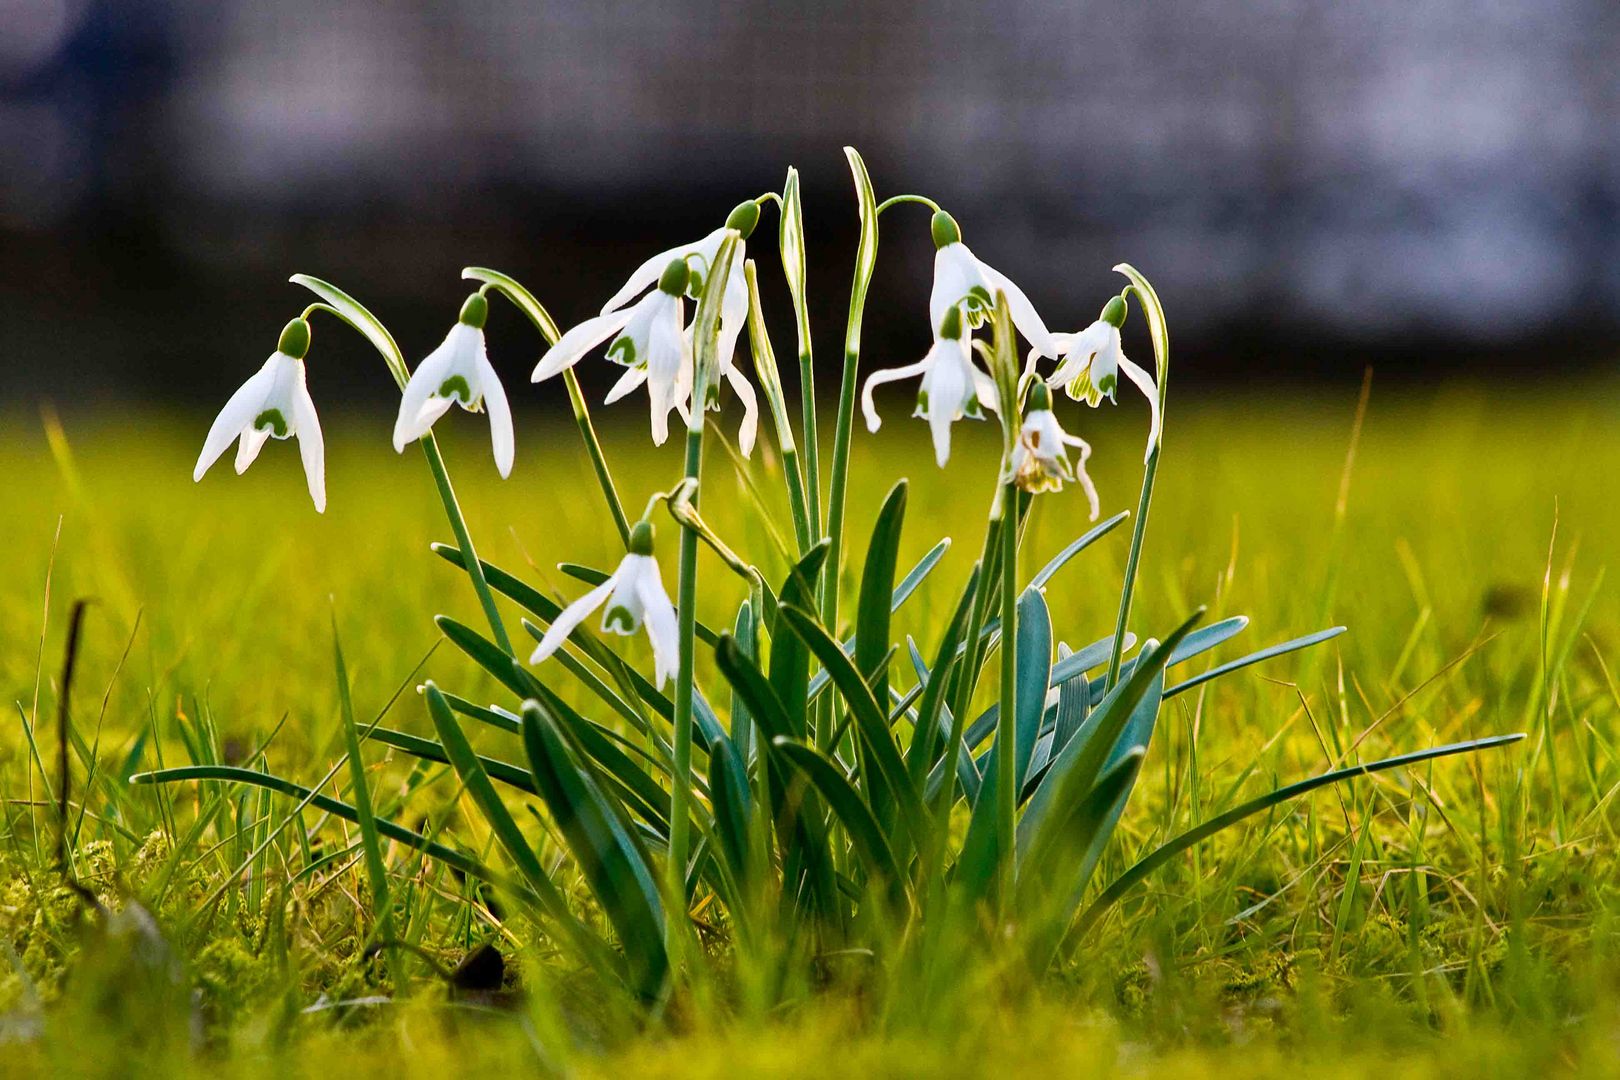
point(945, 229)
point(1113, 312)
point(950, 327)
point(744, 218)
point(675, 277)
point(475, 312)
point(641, 538)
point(1040, 398)
point(294, 339)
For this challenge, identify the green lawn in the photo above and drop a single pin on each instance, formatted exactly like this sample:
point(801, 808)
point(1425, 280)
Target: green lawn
point(1456, 918)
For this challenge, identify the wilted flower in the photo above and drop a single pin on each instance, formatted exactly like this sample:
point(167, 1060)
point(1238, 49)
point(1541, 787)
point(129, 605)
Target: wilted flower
point(1090, 363)
point(273, 402)
point(458, 372)
point(1040, 458)
point(962, 281)
point(951, 386)
point(634, 595)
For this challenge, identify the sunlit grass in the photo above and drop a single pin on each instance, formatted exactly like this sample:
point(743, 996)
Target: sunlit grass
point(1472, 897)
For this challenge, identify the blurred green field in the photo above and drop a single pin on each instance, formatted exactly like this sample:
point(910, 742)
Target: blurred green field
point(1456, 918)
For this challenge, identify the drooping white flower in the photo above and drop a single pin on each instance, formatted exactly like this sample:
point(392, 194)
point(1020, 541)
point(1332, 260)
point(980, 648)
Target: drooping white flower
point(1089, 364)
point(962, 281)
point(1040, 457)
point(951, 386)
point(635, 596)
point(698, 258)
point(458, 372)
point(275, 402)
point(648, 339)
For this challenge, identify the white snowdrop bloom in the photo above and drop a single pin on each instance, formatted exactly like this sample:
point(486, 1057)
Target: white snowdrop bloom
point(951, 386)
point(458, 372)
point(962, 281)
point(1040, 457)
point(273, 402)
point(1089, 364)
point(648, 338)
point(635, 597)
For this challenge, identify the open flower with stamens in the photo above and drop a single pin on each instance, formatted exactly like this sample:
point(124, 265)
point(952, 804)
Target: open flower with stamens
point(458, 372)
point(962, 281)
point(275, 402)
point(1040, 457)
point(648, 338)
point(951, 386)
point(635, 596)
point(1090, 363)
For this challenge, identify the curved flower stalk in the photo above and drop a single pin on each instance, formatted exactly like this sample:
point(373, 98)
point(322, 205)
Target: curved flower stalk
point(952, 387)
point(1040, 457)
point(962, 280)
point(458, 372)
point(622, 317)
point(635, 596)
point(274, 402)
point(1089, 364)
point(648, 339)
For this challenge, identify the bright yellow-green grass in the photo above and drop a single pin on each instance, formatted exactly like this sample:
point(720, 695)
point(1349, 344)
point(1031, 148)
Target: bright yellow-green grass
point(1459, 918)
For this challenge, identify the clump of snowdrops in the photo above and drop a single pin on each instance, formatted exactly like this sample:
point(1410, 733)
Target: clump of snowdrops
point(838, 794)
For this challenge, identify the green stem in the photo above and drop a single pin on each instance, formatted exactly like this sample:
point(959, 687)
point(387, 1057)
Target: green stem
point(1131, 562)
point(1006, 722)
point(469, 555)
point(537, 314)
point(587, 431)
point(686, 615)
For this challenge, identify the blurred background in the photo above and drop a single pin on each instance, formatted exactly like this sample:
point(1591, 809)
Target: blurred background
point(1432, 187)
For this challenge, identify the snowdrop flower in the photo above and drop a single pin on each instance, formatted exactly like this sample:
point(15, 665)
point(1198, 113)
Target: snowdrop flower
point(458, 372)
point(274, 401)
point(1040, 458)
point(634, 595)
point(698, 258)
point(961, 280)
point(951, 386)
point(648, 339)
point(1090, 363)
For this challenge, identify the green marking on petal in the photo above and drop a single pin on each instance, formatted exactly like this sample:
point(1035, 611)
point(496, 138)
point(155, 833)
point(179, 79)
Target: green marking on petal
point(456, 388)
point(622, 351)
point(979, 296)
point(1107, 383)
point(922, 403)
point(272, 420)
point(619, 620)
point(971, 408)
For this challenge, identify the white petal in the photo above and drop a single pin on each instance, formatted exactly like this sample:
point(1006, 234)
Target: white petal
point(237, 416)
point(311, 447)
point(248, 447)
point(1024, 315)
point(632, 378)
point(668, 356)
point(625, 597)
point(733, 313)
point(888, 375)
point(578, 341)
point(660, 622)
point(750, 403)
point(946, 384)
point(415, 415)
point(500, 415)
point(956, 272)
point(984, 387)
point(1077, 351)
point(648, 273)
point(570, 617)
point(1144, 383)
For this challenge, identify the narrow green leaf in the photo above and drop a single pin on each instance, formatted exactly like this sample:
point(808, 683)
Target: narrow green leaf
point(613, 861)
point(1171, 848)
point(877, 858)
point(1254, 658)
point(1097, 532)
point(376, 871)
point(790, 663)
